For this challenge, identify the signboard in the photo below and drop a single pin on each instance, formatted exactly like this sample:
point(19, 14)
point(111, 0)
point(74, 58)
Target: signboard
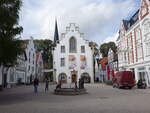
point(47, 70)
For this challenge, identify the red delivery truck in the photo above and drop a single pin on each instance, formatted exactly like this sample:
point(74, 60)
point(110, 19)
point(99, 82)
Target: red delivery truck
point(124, 79)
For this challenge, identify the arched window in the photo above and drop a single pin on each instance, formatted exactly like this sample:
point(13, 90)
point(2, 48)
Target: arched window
point(86, 77)
point(62, 77)
point(72, 45)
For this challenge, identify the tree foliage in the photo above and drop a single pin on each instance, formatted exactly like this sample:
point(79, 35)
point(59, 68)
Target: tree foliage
point(104, 48)
point(46, 47)
point(94, 47)
point(10, 46)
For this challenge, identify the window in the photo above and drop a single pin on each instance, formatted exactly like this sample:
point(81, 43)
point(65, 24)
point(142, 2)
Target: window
point(62, 49)
point(125, 56)
point(146, 27)
point(148, 49)
point(138, 35)
point(138, 44)
point(32, 69)
point(139, 51)
point(28, 68)
point(72, 45)
point(82, 49)
point(141, 75)
point(12, 77)
point(29, 57)
point(129, 42)
point(62, 62)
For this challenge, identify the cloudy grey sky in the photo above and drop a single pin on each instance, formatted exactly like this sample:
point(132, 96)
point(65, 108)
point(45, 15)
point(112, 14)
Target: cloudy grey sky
point(99, 20)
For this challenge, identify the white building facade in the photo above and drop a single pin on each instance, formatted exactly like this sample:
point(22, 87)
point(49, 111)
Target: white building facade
point(73, 57)
point(24, 70)
point(134, 43)
point(17, 74)
point(31, 61)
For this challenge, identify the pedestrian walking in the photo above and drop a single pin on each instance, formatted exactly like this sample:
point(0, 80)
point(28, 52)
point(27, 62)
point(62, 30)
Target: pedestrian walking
point(36, 83)
point(46, 85)
point(76, 87)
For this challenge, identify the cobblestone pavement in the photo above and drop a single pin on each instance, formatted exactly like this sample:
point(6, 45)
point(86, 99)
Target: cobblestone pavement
point(100, 99)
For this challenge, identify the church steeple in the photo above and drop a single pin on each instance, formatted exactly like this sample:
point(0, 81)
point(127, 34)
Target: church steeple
point(56, 34)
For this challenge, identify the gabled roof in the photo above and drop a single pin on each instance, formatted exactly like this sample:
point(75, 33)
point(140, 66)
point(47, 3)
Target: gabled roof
point(103, 62)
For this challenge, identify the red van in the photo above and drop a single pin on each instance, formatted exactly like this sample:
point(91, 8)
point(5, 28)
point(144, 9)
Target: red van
point(124, 79)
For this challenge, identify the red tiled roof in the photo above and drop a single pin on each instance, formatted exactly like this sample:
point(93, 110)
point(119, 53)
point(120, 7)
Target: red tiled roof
point(103, 62)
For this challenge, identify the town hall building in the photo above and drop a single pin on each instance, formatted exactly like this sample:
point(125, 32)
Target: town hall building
point(72, 56)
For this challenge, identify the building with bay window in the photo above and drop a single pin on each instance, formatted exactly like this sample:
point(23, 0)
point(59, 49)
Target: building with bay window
point(72, 56)
point(134, 43)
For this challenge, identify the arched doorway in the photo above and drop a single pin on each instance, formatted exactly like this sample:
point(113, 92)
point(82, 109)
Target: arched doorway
point(62, 77)
point(86, 77)
point(74, 78)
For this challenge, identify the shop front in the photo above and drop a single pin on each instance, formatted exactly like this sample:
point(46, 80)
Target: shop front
point(143, 73)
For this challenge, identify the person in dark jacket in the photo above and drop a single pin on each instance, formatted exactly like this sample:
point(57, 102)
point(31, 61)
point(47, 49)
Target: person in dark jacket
point(46, 85)
point(36, 83)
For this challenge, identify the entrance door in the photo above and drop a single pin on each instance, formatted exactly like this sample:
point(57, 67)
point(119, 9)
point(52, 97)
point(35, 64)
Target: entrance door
point(142, 75)
point(74, 78)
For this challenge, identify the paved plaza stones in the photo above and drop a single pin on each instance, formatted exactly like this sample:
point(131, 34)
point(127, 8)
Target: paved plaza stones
point(100, 99)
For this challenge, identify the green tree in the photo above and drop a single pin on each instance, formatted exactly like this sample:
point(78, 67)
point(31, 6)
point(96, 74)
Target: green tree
point(10, 45)
point(104, 48)
point(46, 47)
